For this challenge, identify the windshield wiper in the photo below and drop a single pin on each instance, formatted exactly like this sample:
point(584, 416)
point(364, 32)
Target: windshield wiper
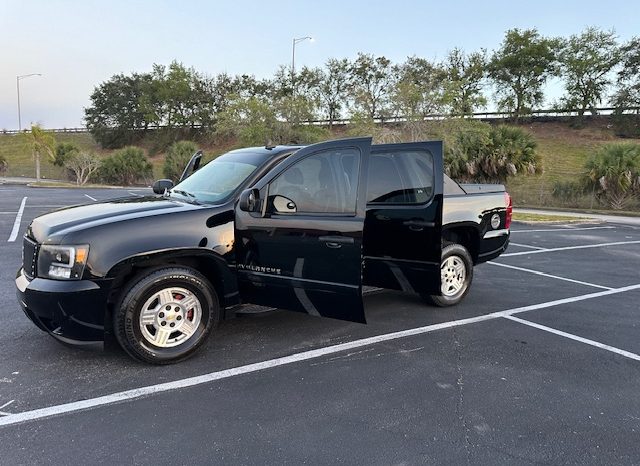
point(185, 194)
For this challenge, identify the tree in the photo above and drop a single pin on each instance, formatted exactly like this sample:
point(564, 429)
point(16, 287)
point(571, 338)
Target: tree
point(371, 80)
point(83, 165)
point(614, 172)
point(4, 165)
point(119, 110)
point(628, 91)
point(418, 88)
point(333, 87)
point(464, 77)
point(252, 121)
point(586, 61)
point(125, 167)
point(177, 158)
point(41, 143)
point(520, 68)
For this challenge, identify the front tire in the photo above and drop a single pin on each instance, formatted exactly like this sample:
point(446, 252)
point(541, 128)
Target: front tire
point(166, 315)
point(456, 275)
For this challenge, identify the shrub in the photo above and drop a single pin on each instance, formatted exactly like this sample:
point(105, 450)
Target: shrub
point(177, 158)
point(63, 152)
point(476, 151)
point(127, 166)
point(613, 172)
point(568, 192)
point(4, 165)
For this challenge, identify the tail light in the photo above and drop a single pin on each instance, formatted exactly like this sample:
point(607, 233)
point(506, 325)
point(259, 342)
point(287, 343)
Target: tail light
point(509, 203)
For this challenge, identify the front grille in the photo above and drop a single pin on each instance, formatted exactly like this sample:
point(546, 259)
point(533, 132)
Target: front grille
point(29, 257)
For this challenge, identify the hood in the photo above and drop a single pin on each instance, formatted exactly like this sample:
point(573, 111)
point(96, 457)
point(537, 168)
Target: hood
point(52, 227)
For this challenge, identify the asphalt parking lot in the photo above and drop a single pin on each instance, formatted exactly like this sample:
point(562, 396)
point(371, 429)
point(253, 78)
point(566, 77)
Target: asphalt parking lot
point(540, 364)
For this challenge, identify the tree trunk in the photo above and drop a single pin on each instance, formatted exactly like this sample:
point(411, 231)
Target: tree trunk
point(37, 166)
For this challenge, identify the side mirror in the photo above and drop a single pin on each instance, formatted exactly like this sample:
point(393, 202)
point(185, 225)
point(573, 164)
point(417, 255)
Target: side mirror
point(160, 186)
point(249, 200)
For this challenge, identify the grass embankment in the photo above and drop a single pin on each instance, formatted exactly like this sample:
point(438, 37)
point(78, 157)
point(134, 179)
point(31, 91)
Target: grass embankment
point(546, 218)
point(563, 151)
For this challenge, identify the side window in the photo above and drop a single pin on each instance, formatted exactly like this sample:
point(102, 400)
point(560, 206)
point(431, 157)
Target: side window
point(402, 177)
point(325, 182)
point(451, 187)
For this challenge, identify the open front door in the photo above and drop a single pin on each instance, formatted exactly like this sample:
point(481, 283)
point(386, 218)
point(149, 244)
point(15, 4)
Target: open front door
point(403, 226)
point(299, 241)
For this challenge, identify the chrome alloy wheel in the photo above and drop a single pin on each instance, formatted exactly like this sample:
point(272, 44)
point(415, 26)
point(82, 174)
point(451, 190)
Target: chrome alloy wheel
point(170, 317)
point(453, 275)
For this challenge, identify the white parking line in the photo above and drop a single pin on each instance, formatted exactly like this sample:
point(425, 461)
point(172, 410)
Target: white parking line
point(16, 224)
point(562, 229)
point(524, 245)
point(597, 344)
point(569, 248)
point(92, 198)
point(271, 363)
point(543, 274)
point(135, 194)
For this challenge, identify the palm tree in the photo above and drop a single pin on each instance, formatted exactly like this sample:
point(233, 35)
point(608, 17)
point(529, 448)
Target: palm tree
point(41, 143)
point(614, 173)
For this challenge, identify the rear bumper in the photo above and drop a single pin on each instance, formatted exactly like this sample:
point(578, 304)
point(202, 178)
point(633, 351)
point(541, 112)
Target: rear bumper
point(72, 312)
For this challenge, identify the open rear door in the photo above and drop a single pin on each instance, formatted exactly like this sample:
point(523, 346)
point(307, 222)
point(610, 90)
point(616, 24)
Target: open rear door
point(299, 240)
point(403, 226)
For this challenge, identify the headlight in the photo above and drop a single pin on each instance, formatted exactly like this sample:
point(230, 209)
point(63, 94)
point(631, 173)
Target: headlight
point(62, 262)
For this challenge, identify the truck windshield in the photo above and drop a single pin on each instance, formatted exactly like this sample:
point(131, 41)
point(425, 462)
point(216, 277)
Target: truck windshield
point(218, 179)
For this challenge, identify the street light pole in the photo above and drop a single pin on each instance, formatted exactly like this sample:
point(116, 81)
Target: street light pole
point(293, 59)
point(18, 78)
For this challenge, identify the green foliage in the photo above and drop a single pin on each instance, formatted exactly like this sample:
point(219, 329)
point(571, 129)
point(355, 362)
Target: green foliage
point(177, 158)
point(463, 81)
point(613, 172)
point(333, 87)
point(251, 121)
point(628, 91)
point(41, 143)
point(482, 153)
point(64, 151)
point(125, 167)
point(520, 68)
point(585, 64)
point(371, 81)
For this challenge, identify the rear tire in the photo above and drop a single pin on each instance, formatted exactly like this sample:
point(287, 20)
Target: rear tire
point(456, 275)
point(165, 315)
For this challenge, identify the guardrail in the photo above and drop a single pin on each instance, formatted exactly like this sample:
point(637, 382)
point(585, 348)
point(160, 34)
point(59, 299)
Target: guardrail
point(553, 113)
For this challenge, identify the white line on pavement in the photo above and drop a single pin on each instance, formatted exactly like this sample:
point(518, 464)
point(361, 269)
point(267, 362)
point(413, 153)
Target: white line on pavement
point(524, 245)
point(613, 349)
point(543, 274)
point(16, 224)
point(12, 213)
point(271, 363)
point(562, 229)
point(569, 248)
point(135, 194)
point(92, 198)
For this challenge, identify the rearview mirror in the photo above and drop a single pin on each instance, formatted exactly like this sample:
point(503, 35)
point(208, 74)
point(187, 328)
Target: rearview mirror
point(160, 186)
point(249, 200)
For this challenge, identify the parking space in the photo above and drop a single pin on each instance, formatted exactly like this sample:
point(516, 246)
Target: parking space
point(540, 364)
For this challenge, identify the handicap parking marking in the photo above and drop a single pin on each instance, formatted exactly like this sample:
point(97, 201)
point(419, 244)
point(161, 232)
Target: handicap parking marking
point(568, 248)
point(544, 274)
point(571, 336)
point(16, 223)
point(149, 390)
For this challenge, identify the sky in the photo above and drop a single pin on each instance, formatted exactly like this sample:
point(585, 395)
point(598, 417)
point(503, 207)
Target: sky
point(76, 45)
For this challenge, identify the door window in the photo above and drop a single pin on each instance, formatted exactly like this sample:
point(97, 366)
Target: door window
point(325, 182)
point(400, 177)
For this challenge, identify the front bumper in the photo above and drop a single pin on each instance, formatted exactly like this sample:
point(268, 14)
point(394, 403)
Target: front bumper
point(72, 312)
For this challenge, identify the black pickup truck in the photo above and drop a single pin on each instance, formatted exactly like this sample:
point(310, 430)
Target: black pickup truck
point(298, 228)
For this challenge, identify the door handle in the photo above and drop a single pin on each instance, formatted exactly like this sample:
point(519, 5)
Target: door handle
point(418, 225)
point(335, 242)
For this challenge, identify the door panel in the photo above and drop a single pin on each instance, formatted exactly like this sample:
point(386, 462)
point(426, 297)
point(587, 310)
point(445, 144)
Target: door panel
point(403, 225)
point(304, 253)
